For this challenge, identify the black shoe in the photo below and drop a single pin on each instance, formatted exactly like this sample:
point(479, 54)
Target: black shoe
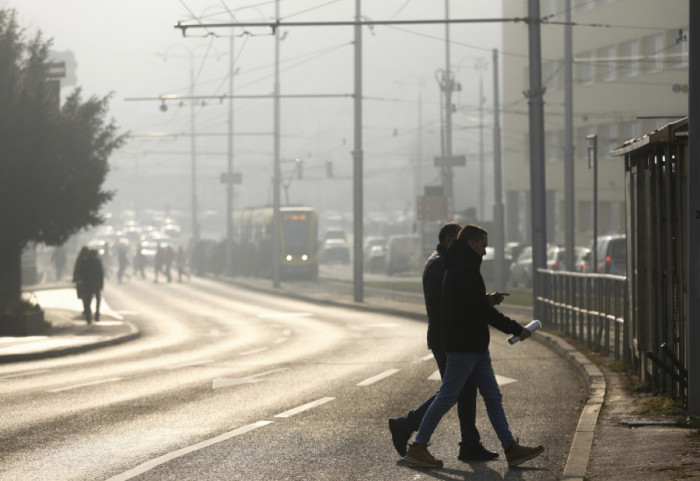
point(475, 452)
point(400, 434)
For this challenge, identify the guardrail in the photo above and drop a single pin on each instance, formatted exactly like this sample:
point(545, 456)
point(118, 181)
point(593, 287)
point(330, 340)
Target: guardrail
point(587, 307)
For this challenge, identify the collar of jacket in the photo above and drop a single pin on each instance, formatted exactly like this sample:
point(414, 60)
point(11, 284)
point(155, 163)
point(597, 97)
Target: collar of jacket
point(460, 252)
point(441, 249)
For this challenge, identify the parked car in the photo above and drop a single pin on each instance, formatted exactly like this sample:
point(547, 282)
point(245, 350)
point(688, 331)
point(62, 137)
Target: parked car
point(335, 250)
point(404, 254)
point(521, 269)
point(374, 254)
point(583, 259)
point(612, 255)
point(556, 258)
point(488, 265)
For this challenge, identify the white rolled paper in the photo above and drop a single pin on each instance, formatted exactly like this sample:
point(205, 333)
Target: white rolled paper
point(533, 326)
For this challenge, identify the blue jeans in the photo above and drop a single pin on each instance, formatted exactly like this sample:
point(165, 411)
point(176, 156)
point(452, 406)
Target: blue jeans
point(466, 406)
point(462, 366)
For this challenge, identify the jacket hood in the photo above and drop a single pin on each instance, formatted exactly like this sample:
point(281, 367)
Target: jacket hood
point(459, 253)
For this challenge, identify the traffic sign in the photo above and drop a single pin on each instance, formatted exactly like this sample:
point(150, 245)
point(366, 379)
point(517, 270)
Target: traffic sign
point(433, 207)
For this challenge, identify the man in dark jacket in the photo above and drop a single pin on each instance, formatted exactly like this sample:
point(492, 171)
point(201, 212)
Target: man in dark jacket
point(92, 275)
point(402, 428)
point(467, 314)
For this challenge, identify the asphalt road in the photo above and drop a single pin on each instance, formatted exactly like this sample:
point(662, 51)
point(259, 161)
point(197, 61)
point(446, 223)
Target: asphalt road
point(227, 383)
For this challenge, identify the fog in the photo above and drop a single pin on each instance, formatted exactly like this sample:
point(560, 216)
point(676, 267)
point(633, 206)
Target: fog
point(131, 49)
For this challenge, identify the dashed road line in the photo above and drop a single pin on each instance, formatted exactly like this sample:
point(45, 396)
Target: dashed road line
point(23, 374)
point(191, 364)
point(148, 465)
point(304, 407)
point(86, 384)
point(254, 351)
point(219, 383)
point(378, 377)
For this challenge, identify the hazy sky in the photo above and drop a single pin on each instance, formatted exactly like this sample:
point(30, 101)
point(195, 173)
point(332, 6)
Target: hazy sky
point(130, 48)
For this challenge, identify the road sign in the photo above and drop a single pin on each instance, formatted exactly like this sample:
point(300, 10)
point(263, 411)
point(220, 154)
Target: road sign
point(433, 207)
point(231, 178)
point(451, 161)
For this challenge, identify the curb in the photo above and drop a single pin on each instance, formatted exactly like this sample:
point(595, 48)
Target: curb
point(133, 333)
point(582, 442)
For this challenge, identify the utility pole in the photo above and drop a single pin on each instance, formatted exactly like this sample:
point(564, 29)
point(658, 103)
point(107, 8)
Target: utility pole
point(193, 163)
point(569, 192)
point(694, 214)
point(537, 174)
point(499, 234)
point(593, 162)
point(229, 184)
point(448, 86)
point(276, 235)
point(480, 66)
point(358, 279)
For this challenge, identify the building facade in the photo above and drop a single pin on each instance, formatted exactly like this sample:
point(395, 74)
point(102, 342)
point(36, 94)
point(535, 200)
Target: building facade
point(630, 76)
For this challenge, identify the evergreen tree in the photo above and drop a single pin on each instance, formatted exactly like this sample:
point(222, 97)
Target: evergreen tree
point(53, 159)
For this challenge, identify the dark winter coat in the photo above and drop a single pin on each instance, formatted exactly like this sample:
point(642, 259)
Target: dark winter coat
point(465, 307)
point(433, 272)
point(91, 274)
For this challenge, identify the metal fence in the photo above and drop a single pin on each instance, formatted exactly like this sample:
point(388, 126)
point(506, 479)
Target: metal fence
point(587, 307)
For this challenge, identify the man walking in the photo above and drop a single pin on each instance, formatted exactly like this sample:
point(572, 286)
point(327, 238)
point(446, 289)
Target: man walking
point(470, 448)
point(92, 275)
point(467, 314)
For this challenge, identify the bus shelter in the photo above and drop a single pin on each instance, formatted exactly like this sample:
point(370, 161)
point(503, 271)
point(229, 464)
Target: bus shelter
point(656, 323)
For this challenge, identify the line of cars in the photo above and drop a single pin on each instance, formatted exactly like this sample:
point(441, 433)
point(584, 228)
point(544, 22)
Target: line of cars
point(611, 259)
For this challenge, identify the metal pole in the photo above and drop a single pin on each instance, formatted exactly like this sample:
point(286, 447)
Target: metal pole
point(229, 184)
point(498, 220)
point(448, 85)
point(358, 281)
point(693, 181)
point(569, 185)
point(593, 148)
point(482, 201)
point(193, 147)
point(276, 180)
point(537, 174)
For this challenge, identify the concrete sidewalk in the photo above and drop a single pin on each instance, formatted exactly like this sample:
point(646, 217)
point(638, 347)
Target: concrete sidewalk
point(615, 438)
point(68, 332)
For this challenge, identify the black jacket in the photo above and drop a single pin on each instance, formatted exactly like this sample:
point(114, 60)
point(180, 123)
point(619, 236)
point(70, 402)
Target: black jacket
point(91, 273)
point(433, 273)
point(465, 307)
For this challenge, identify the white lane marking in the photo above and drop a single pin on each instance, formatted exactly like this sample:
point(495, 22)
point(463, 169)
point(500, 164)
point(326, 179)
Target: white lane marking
point(285, 315)
point(378, 377)
point(192, 364)
point(148, 465)
point(501, 380)
point(367, 327)
point(93, 383)
point(254, 351)
point(219, 383)
point(427, 357)
point(26, 373)
point(305, 407)
point(280, 340)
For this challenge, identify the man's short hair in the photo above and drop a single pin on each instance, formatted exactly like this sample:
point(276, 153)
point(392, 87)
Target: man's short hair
point(472, 232)
point(451, 229)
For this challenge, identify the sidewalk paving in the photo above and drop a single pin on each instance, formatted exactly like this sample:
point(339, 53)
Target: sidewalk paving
point(615, 439)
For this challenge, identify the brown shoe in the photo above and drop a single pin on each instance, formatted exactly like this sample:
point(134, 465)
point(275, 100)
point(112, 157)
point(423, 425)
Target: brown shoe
point(517, 454)
point(418, 455)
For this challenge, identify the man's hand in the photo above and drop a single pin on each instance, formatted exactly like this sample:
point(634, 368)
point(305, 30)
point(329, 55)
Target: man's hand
point(525, 334)
point(495, 298)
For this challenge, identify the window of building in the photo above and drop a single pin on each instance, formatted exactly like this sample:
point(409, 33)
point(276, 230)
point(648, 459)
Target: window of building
point(679, 51)
point(552, 150)
point(629, 61)
point(551, 75)
point(585, 68)
point(652, 50)
point(606, 64)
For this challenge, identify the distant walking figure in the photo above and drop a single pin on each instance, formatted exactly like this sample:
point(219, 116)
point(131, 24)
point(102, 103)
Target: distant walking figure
point(79, 284)
point(91, 274)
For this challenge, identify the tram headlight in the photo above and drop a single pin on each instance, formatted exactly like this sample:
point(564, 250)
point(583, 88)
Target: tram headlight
point(289, 257)
point(304, 257)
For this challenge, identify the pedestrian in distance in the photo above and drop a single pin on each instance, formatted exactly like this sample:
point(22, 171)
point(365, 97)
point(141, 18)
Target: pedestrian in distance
point(158, 261)
point(467, 313)
point(140, 262)
point(122, 262)
point(168, 258)
point(59, 259)
point(92, 275)
point(402, 428)
point(180, 262)
point(79, 283)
